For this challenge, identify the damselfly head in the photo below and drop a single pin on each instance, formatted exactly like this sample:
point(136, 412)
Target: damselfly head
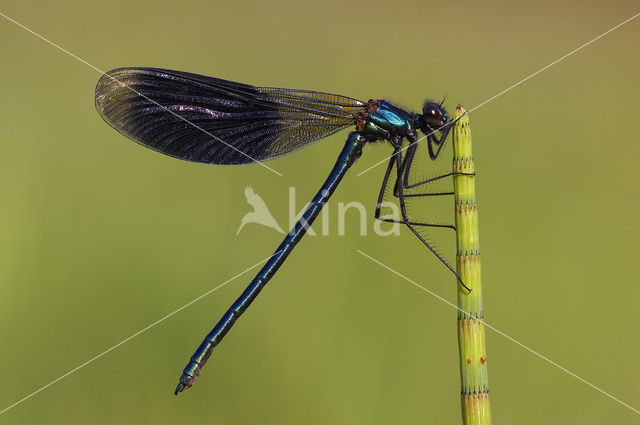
point(434, 114)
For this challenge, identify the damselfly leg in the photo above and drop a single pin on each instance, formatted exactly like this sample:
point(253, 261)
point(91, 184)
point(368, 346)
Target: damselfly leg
point(403, 166)
point(383, 189)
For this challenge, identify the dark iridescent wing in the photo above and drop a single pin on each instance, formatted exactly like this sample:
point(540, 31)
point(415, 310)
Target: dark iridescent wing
point(206, 119)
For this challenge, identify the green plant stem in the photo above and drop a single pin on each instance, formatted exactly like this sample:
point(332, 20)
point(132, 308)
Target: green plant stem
point(476, 407)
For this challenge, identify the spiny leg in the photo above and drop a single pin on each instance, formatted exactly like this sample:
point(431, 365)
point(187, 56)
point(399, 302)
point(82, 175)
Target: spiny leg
point(406, 167)
point(416, 195)
point(383, 188)
point(439, 142)
point(405, 217)
point(408, 162)
point(405, 170)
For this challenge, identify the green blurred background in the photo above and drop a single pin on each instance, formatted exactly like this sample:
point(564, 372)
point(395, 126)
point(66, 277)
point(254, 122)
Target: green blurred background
point(101, 237)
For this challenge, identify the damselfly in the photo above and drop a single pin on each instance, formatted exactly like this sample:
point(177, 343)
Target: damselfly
point(204, 119)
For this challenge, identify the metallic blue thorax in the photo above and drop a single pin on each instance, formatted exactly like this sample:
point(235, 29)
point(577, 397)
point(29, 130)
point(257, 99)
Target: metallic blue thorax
point(386, 120)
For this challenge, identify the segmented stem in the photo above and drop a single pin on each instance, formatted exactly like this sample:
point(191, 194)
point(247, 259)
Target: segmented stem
point(476, 407)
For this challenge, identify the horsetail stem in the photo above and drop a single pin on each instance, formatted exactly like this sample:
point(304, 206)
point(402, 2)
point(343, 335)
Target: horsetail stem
point(475, 401)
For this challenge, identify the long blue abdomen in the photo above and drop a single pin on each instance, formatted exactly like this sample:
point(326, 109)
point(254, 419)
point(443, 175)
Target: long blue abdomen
point(350, 152)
